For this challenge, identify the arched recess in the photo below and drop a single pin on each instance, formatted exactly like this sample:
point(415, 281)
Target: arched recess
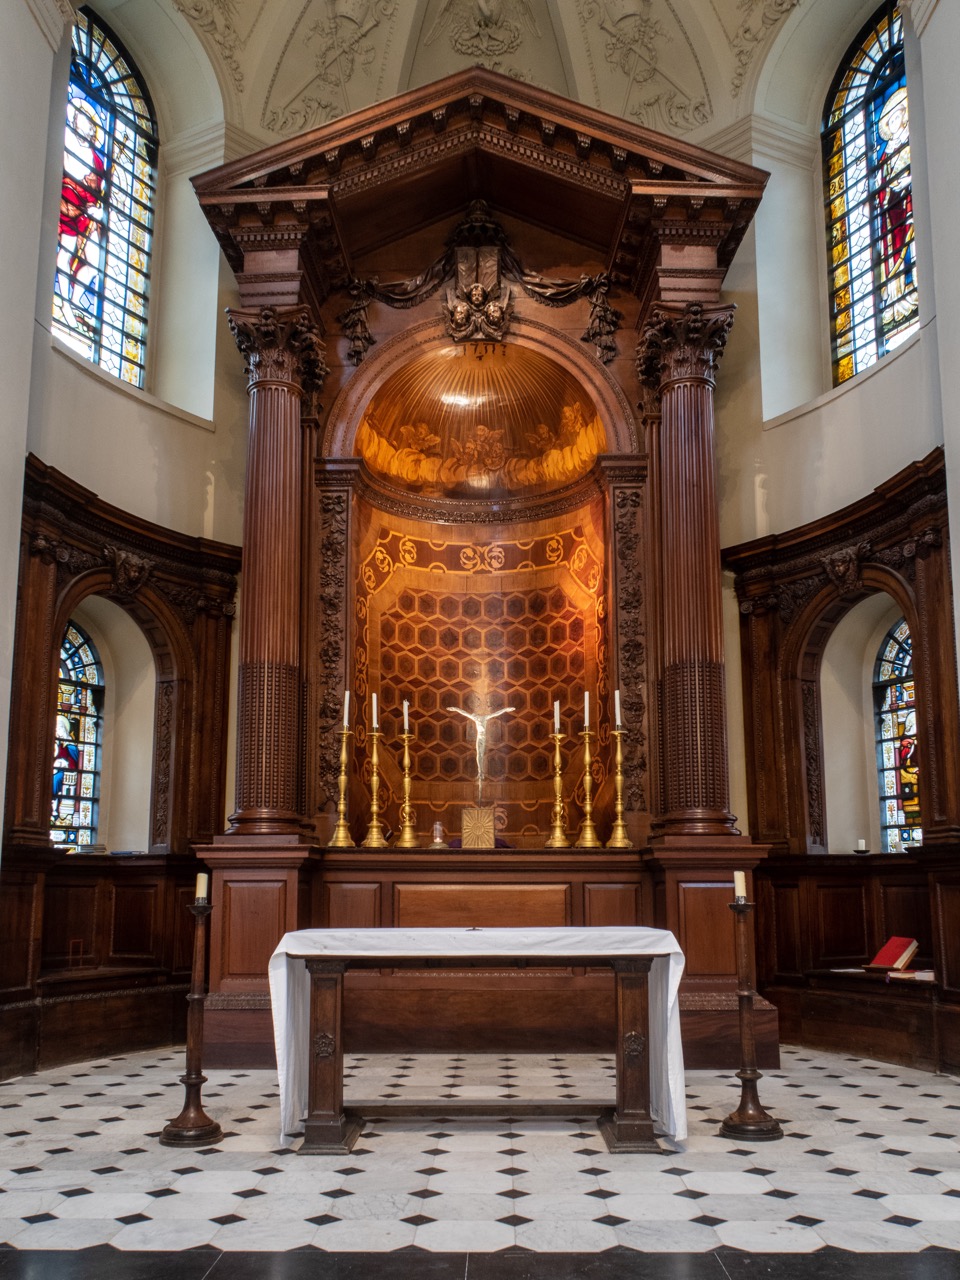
point(807, 721)
point(414, 558)
point(572, 358)
point(175, 676)
point(126, 745)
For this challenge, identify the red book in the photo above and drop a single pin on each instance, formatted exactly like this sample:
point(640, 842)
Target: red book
point(896, 953)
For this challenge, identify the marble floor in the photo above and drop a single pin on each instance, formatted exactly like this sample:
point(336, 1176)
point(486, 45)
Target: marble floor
point(869, 1165)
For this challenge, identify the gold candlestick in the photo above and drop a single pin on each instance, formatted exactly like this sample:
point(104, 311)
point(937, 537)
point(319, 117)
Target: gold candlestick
point(558, 837)
point(341, 838)
point(588, 838)
point(408, 836)
point(619, 837)
point(375, 837)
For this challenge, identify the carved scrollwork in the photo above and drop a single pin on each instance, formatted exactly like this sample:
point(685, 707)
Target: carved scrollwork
point(603, 323)
point(681, 342)
point(810, 699)
point(628, 506)
point(844, 567)
point(634, 1046)
point(280, 344)
point(354, 324)
point(130, 571)
point(331, 621)
point(324, 1045)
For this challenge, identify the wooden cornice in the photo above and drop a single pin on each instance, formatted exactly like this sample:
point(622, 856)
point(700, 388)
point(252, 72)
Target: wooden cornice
point(381, 174)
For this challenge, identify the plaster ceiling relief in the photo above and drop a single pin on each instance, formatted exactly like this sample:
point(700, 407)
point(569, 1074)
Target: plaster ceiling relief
point(515, 37)
point(333, 62)
point(749, 27)
point(228, 25)
point(641, 63)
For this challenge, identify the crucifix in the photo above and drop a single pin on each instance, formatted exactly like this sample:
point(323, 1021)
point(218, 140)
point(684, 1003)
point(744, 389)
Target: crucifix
point(481, 721)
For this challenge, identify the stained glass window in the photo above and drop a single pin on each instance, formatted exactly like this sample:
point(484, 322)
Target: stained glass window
point(869, 201)
point(76, 747)
point(897, 765)
point(106, 205)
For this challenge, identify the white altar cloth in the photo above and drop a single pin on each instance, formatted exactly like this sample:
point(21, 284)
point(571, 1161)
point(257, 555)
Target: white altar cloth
point(290, 992)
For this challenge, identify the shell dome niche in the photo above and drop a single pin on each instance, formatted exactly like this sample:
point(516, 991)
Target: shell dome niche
point(482, 420)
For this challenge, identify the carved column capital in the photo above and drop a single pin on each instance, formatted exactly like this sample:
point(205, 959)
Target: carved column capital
point(681, 342)
point(280, 345)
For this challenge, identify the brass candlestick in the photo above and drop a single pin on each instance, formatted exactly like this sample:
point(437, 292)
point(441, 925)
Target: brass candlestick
point(588, 838)
point(193, 1127)
point(749, 1122)
point(619, 838)
point(408, 836)
point(341, 838)
point(375, 837)
point(558, 837)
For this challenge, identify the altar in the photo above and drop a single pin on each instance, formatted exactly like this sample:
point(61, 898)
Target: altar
point(306, 985)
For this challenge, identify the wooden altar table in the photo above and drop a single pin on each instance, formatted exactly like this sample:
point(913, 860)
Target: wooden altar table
point(306, 987)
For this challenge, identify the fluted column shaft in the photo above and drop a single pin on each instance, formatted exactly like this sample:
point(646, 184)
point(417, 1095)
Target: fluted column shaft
point(284, 357)
point(680, 347)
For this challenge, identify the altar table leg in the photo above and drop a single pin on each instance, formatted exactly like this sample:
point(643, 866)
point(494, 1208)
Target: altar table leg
point(328, 1130)
point(629, 1126)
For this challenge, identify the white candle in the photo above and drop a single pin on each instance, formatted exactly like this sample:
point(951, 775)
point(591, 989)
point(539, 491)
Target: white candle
point(346, 708)
point(586, 709)
point(201, 891)
point(616, 707)
point(556, 716)
point(373, 698)
point(406, 716)
point(862, 846)
point(739, 884)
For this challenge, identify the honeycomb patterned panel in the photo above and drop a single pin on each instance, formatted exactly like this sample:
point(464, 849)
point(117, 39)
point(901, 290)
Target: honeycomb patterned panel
point(483, 652)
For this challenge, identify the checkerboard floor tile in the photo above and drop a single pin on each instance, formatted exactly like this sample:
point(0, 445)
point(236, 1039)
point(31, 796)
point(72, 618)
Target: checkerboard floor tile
point(870, 1163)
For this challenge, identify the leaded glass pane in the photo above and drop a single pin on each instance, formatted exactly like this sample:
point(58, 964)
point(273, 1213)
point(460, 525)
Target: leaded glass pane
point(106, 205)
point(897, 765)
point(869, 200)
point(76, 747)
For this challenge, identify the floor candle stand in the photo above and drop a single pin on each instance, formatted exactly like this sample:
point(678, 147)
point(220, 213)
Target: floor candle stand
point(749, 1122)
point(193, 1127)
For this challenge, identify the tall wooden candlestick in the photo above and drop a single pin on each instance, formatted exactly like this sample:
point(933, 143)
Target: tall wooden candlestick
point(558, 837)
point(619, 836)
point(193, 1127)
point(749, 1122)
point(375, 837)
point(341, 838)
point(587, 838)
point(408, 836)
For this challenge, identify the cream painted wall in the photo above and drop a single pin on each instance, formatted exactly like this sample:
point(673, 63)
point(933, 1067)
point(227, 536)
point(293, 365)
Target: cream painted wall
point(126, 749)
point(32, 34)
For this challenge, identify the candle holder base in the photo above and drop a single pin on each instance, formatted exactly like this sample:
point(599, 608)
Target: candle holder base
point(619, 836)
point(750, 1122)
point(341, 838)
point(192, 1127)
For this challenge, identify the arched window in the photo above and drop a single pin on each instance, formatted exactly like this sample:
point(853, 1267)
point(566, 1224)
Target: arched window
point(896, 720)
point(869, 202)
point(106, 205)
point(76, 747)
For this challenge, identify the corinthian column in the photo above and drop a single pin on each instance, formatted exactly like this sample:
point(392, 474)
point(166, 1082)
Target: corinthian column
point(677, 357)
point(284, 358)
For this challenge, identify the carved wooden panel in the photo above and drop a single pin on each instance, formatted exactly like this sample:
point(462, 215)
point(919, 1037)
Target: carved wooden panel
point(787, 934)
point(70, 925)
point(841, 925)
point(905, 913)
point(182, 928)
point(20, 910)
point(254, 915)
point(352, 906)
point(611, 904)
point(948, 912)
point(135, 925)
point(706, 929)
point(464, 906)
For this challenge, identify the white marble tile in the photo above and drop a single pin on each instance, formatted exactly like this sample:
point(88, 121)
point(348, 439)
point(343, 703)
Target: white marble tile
point(945, 1235)
point(870, 1237)
point(732, 1183)
point(655, 1208)
point(464, 1236)
point(667, 1237)
point(768, 1237)
point(565, 1236)
point(68, 1233)
point(364, 1235)
point(257, 1236)
point(166, 1235)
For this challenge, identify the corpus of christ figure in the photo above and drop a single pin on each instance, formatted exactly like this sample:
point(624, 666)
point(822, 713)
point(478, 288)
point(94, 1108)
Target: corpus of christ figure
point(481, 722)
